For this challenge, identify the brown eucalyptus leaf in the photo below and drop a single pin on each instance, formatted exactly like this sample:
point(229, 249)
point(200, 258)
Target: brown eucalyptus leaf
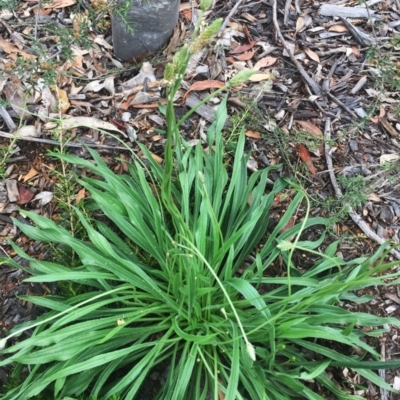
point(245, 56)
point(314, 56)
point(310, 127)
point(253, 134)
point(265, 62)
point(243, 48)
point(306, 158)
point(338, 28)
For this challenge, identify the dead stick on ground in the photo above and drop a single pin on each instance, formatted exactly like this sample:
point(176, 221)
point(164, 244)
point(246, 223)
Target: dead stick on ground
point(287, 10)
point(230, 15)
point(7, 119)
point(68, 144)
point(382, 372)
point(338, 192)
point(339, 103)
point(314, 87)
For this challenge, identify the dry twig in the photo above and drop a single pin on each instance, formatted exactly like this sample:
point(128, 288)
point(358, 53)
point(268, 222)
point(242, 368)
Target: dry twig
point(67, 144)
point(287, 11)
point(338, 192)
point(230, 15)
point(314, 87)
point(382, 372)
point(7, 119)
point(341, 104)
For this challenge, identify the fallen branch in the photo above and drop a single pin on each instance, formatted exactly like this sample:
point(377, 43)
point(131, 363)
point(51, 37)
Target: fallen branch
point(314, 87)
point(338, 192)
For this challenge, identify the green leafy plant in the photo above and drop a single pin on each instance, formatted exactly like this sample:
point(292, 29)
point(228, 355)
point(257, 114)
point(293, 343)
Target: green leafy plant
point(387, 74)
point(183, 300)
point(5, 154)
point(178, 278)
point(8, 4)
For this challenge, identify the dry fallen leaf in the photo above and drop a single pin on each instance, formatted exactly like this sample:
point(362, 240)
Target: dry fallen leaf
point(145, 73)
point(338, 28)
point(187, 14)
point(10, 49)
point(58, 4)
point(25, 195)
point(94, 86)
point(252, 165)
point(259, 77)
point(80, 196)
point(150, 105)
point(310, 127)
point(6, 15)
point(289, 225)
point(32, 172)
point(27, 131)
point(43, 198)
point(384, 158)
point(143, 98)
point(109, 84)
point(374, 197)
point(253, 134)
point(388, 126)
point(90, 122)
point(245, 56)
point(356, 51)
point(156, 158)
point(306, 158)
point(243, 48)
point(63, 102)
point(300, 23)
point(265, 62)
point(312, 55)
point(204, 85)
point(99, 39)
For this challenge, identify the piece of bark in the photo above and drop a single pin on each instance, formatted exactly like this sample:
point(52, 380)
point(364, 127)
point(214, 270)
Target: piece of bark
point(12, 190)
point(388, 127)
point(305, 114)
point(359, 85)
point(7, 118)
point(360, 36)
point(331, 10)
point(207, 112)
point(287, 11)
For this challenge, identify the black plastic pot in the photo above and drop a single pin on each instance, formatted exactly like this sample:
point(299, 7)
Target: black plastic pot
point(153, 22)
